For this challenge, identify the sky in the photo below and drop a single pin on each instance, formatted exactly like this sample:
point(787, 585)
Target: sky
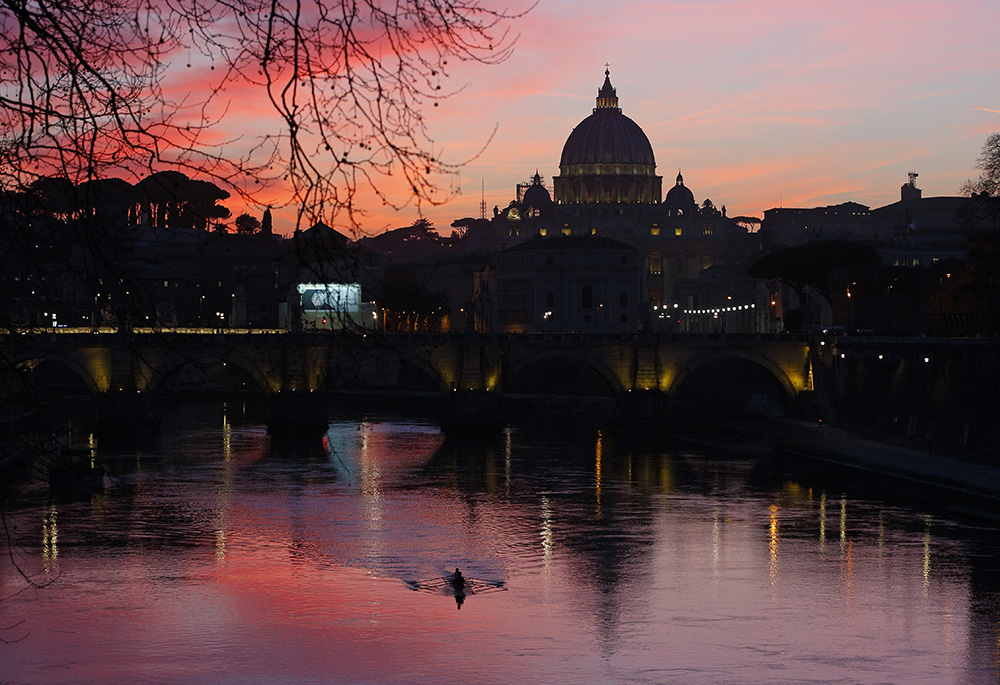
point(760, 103)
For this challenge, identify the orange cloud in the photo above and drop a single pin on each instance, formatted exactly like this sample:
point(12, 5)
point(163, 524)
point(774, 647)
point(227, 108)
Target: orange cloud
point(758, 102)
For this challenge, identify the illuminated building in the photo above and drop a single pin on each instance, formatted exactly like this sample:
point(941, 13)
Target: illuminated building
point(607, 187)
point(566, 283)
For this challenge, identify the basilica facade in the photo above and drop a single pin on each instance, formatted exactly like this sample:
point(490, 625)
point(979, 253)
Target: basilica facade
point(607, 187)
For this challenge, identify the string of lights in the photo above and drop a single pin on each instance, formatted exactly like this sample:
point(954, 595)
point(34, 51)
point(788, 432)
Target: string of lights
point(720, 310)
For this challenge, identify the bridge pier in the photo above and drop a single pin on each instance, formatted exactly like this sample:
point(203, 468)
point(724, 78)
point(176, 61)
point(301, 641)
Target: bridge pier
point(472, 411)
point(296, 412)
point(644, 410)
point(125, 413)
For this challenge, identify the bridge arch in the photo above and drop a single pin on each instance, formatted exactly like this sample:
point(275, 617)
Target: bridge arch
point(93, 373)
point(418, 372)
point(579, 374)
point(385, 368)
point(731, 383)
point(208, 362)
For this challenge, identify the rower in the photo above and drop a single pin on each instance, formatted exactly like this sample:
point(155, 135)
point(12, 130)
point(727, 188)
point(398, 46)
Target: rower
point(458, 580)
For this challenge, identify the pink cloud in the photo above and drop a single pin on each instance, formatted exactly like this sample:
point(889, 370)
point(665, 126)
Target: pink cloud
point(755, 100)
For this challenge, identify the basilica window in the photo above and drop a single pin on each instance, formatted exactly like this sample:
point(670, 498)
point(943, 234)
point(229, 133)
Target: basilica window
point(678, 231)
point(655, 263)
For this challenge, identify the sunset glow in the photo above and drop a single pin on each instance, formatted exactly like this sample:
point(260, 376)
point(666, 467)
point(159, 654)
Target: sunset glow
point(760, 104)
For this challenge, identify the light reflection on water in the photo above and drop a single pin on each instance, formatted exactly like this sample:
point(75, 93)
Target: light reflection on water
point(220, 557)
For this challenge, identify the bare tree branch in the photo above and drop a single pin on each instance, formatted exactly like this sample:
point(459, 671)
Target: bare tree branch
point(126, 87)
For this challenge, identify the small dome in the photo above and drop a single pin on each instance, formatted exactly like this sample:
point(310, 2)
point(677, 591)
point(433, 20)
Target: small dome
point(680, 196)
point(536, 195)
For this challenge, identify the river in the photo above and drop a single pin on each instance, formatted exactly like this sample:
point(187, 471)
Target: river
point(221, 557)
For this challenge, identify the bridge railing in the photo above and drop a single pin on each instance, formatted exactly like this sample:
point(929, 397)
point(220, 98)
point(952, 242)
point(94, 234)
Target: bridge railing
point(149, 330)
point(432, 338)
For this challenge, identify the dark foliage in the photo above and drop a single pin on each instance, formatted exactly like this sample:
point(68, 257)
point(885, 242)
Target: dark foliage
point(813, 264)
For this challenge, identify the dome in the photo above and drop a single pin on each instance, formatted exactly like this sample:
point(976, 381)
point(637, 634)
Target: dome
point(536, 195)
point(607, 158)
point(607, 136)
point(679, 197)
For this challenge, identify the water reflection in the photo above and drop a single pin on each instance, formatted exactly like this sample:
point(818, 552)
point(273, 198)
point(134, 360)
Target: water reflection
point(221, 552)
point(547, 536)
point(50, 537)
point(773, 546)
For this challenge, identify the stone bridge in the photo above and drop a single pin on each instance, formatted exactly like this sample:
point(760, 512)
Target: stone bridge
point(649, 377)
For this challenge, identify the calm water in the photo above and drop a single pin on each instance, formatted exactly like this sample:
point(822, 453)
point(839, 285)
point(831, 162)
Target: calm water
point(221, 558)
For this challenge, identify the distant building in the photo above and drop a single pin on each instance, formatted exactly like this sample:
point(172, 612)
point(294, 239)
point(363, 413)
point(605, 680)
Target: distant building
point(566, 283)
point(792, 226)
point(925, 285)
point(607, 187)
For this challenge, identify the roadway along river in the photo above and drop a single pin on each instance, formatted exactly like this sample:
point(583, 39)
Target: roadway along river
point(218, 557)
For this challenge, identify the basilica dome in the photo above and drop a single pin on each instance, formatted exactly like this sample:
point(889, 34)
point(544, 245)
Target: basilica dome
point(607, 137)
point(536, 196)
point(607, 158)
point(680, 199)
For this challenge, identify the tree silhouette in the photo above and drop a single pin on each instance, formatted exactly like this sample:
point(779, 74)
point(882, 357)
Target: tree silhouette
point(247, 225)
point(813, 264)
point(988, 163)
point(104, 88)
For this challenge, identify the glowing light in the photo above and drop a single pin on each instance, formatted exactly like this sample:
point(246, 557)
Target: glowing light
point(507, 454)
point(843, 524)
point(220, 547)
point(773, 544)
point(50, 535)
point(716, 542)
point(822, 520)
point(598, 453)
point(227, 436)
point(547, 536)
point(927, 553)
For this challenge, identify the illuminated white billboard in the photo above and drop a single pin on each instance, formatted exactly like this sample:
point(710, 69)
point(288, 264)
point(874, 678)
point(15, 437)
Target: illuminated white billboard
point(330, 297)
